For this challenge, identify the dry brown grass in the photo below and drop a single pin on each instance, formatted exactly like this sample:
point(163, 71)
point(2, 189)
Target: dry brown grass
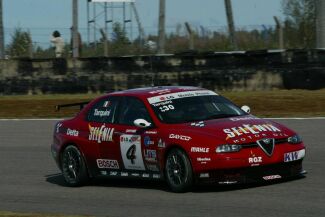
point(282, 103)
point(279, 103)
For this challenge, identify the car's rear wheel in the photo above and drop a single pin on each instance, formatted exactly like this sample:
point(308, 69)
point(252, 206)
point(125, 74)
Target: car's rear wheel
point(74, 168)
point(178, 169)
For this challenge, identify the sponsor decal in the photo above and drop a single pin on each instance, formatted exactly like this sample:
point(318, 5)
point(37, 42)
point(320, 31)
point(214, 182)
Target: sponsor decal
point(135, 174)
point(131, 131)
point(150, 132)
point(179, 137)
point(145, 175)
point(186, 88)
point(204, 175)
point(131, 152)
point(164, 91)
point(243, 118)
point(150, 155)
point(124, 174)
point(58, 126)
point(72, 132)
point(113, 173)
point(130, 138)
point(101, 113)
point(107, 104)
point(107, 164)
point(257, 136)
point(101, 134)
point(161, 143)
point(152, 167)
point(104, 173)
point(156, 176)
point(272, 177)
point(162, 103)
point(293, 156)
point(147, 141)
point(185, 94)
point(198, 124)
point(255, 161)
point(200, 150)
point(203, 159)
point(247, 129)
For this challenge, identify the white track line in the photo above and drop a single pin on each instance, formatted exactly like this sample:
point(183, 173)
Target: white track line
point(309, 118)
point(59, 119)
point(32, 119)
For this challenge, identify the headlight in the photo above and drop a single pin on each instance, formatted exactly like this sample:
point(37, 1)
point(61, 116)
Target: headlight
point(228, 148)
point(294, 139)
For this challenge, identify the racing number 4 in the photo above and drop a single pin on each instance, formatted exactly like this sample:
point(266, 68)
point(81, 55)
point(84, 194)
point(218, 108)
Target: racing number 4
point(130, 154)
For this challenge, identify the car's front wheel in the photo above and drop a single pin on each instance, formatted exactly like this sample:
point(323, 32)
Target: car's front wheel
point(74, 167)
point(178, 169)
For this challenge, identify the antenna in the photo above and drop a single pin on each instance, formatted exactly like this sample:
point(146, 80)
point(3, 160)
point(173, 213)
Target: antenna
point(152, 73)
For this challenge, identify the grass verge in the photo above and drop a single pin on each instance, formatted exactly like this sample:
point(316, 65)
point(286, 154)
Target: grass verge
point(279, 103)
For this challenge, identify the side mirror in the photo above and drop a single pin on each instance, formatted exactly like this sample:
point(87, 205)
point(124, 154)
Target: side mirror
point(246, 109)
point(142, 123)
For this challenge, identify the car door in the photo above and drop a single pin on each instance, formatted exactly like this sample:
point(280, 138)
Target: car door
point(138, 146)
point(101, 118)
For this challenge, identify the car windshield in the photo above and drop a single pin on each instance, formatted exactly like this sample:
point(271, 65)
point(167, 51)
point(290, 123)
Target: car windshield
point(176, 110)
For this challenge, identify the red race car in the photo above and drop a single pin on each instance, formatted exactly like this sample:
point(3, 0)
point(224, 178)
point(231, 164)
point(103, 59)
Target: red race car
point(183, 135)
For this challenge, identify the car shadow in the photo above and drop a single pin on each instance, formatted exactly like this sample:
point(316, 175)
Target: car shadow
point(58, 179)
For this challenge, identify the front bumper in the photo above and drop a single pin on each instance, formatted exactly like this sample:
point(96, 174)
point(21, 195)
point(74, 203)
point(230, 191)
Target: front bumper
point(252, 174)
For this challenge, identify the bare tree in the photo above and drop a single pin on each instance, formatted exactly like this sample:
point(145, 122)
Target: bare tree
point(300, 23)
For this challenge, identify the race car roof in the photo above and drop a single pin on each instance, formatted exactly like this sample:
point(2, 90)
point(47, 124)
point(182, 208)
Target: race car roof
point(147, 92)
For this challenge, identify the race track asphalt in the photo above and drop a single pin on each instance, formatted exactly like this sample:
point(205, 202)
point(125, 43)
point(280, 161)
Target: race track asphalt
point(31, 182)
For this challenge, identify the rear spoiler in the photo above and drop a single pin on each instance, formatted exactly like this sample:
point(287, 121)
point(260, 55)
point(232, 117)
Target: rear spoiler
point(80, 104)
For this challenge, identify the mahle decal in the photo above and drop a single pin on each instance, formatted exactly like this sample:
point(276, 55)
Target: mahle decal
point(100, 134)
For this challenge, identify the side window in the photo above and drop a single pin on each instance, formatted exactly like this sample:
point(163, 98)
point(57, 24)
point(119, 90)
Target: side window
point(131, 110)
point(103, 111)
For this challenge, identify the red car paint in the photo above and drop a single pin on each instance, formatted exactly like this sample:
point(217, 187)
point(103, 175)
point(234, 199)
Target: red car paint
point(102, 144)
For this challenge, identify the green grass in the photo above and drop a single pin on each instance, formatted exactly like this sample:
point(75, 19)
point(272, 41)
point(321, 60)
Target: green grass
point(278, 103)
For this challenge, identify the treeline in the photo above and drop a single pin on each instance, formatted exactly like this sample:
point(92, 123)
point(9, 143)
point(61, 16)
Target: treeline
point(299, 29)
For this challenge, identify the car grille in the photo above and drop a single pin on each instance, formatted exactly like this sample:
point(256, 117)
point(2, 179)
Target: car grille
point(254, 144)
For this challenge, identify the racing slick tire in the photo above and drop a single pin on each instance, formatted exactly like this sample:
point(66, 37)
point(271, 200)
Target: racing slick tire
point(74, 168)
point(178, 171)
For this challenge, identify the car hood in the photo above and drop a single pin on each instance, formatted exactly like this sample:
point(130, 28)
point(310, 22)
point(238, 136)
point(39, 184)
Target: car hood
point(236, 130)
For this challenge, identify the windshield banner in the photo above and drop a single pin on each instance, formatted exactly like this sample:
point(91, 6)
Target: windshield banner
point(179, 95)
